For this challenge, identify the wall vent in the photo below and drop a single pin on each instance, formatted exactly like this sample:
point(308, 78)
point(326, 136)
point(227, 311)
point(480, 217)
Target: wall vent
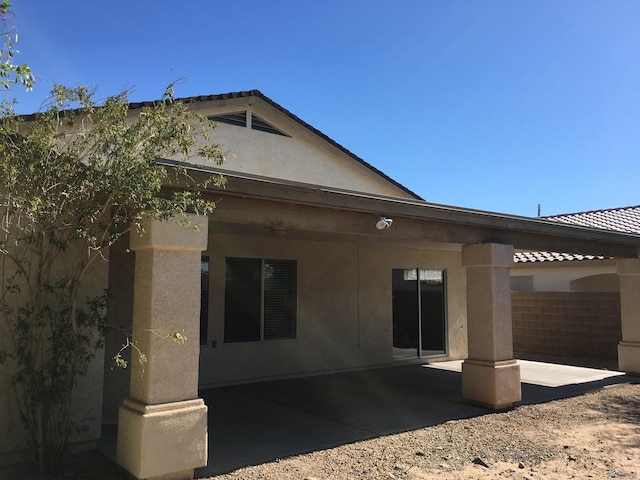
point(240, 119)
point(259, 124)
point(237, 118)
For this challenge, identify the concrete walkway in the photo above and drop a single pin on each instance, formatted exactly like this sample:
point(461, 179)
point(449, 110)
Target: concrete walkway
point(255, 423)
point(544, 374)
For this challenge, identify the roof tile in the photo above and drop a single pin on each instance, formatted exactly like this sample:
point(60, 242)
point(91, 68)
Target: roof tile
point(624, 219)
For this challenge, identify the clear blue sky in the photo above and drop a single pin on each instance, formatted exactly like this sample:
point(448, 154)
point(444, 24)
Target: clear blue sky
point(496, 105)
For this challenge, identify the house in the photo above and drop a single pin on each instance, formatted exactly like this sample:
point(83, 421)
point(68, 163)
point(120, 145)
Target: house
point(571, 272)
point(568, 304)
point(314, 262)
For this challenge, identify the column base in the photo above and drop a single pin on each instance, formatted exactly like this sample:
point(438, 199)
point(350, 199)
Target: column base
point(162, 442)
point(629, 357)
point(493, 385)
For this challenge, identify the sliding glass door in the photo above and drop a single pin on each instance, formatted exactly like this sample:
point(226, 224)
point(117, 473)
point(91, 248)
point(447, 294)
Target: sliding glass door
point(419, 313)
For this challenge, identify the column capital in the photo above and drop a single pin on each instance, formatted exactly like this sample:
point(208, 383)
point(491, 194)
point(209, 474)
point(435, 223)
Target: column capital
point(170, 235)
point(487, 255)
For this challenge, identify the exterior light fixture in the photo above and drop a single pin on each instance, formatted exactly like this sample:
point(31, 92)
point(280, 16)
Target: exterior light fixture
point(278, 231)
point(383, 223)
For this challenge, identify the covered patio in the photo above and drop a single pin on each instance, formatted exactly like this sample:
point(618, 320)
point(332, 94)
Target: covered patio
point(166, 414)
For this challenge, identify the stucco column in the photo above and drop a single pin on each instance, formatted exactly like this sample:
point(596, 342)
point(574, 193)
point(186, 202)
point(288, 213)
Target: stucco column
point(490, 376)
point(162, 426)
point(629, 347)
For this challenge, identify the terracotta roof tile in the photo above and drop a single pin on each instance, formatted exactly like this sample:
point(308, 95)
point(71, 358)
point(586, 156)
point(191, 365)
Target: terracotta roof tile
point(625, 219)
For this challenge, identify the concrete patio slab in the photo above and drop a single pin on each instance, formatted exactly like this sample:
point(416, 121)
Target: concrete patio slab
point(544, 374)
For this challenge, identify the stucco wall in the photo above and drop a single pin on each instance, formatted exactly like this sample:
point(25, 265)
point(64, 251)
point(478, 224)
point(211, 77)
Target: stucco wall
point(302, 156)
point(344, 307)
point(557, 276)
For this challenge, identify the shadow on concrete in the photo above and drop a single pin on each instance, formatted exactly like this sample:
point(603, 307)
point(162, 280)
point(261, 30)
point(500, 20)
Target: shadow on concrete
point(255, 423)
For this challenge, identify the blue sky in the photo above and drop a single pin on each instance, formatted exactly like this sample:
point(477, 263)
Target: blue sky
point(495, 105)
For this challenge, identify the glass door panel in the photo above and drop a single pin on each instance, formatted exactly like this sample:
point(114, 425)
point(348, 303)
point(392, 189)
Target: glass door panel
point(419, 313)
point(432, 313)
point(405, 315)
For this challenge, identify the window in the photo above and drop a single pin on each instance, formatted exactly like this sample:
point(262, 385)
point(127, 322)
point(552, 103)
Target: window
point(204, 300)
point(260, 300)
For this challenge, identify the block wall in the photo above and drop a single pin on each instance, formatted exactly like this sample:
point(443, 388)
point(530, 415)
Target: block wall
point(567, 324)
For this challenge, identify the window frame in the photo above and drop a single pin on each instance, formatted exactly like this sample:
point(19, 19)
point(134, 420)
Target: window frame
point(291, 283)
point(205, 285)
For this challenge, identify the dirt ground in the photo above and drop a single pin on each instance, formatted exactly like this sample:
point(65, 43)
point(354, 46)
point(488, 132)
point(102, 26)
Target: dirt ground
point(596, 435)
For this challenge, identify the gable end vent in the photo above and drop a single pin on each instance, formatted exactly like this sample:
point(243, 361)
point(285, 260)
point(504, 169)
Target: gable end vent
point(240, 119)
point(259, 124)
point(237, 118)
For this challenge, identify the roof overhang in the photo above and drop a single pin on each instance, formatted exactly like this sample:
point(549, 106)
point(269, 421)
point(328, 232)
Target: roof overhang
point(439, 223)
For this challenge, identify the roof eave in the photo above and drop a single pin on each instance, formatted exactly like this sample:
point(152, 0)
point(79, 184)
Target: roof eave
point(449, 224)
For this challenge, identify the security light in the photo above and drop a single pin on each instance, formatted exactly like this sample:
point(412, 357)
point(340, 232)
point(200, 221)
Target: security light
point(383, 223)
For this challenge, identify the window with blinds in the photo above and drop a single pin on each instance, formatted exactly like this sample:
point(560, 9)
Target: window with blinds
point(260, 300)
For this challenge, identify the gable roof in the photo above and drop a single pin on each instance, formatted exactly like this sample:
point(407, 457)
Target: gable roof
point(281, 109)
point(623, 219)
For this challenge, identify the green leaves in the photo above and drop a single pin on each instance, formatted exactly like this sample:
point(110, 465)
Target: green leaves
point(85, 172)
point(10, 73)
point(74, 178)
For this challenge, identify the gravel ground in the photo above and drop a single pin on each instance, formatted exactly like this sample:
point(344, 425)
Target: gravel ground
point(596, 435)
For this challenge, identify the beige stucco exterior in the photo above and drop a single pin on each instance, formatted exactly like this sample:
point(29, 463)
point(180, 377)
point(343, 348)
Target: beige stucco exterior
point(570, 276)
point(629, 348)
point(299, 156)
point(490, 375)
point(162, 427)
point(302, 197)
point(344, 303)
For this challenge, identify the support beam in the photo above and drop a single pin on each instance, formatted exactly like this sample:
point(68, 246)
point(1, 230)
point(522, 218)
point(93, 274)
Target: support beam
point(490, 376)
point(629, 347)
point(162, 427)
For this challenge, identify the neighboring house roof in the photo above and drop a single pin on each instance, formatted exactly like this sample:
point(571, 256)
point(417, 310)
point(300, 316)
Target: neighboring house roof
point(624, 219)
point(260, 95)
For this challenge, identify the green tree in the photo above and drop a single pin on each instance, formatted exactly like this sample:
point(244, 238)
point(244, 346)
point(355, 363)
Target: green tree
point(10, 73)
point(74, 179)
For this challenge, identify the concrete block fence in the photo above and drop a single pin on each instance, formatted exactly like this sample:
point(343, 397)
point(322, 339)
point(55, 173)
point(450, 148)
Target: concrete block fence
point(567, 324)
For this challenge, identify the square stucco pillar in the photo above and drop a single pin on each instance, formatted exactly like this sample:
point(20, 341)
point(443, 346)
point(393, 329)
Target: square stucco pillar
point(629, 347)
point(490, 376)
point(162, 426)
